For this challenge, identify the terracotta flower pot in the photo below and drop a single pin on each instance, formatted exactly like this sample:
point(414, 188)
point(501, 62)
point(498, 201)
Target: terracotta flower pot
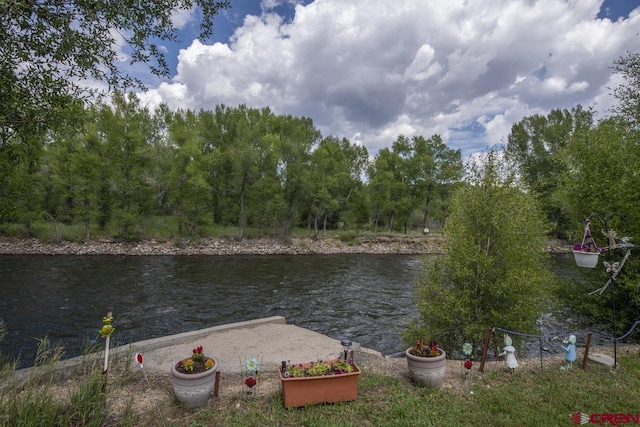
point(193, 390)
point(302, 391)
point(427, 371)
point(586, 259)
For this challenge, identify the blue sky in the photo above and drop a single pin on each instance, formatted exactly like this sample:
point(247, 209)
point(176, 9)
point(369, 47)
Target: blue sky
point(371, 70)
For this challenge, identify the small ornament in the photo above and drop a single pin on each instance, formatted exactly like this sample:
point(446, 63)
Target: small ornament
point(251, 369)
point(570, 350)
point(107, 328)
point(139, 359)
point(509, 352)
point(467, 349)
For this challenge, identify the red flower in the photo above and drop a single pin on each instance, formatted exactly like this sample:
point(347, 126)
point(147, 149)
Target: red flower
point(250, 382)
point(468, 364)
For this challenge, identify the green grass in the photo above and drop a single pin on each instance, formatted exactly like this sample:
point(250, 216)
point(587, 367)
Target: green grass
point(530, 397)
point(165, 228)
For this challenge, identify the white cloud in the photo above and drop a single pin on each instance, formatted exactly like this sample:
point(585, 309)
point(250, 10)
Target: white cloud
point(376, 69)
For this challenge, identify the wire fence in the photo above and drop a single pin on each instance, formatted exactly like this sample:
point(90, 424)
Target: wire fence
point(562, 336)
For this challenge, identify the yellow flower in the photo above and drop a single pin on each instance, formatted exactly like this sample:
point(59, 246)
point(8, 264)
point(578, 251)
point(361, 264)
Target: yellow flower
point(208, 364)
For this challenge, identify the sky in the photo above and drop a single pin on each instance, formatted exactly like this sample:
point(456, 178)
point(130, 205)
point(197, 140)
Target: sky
point(372, 70)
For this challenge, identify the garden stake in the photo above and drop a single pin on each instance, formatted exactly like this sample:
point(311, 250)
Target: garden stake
point(139, 359)
point(105, 332)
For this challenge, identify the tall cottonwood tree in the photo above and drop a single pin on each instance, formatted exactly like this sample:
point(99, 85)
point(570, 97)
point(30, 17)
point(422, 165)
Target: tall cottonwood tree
point(493, 272)
point(388, 187)
point(296, 138)
point(187, 183)
point(628, 92)
point(535, 145)
point(336, 166)
point(127, 129)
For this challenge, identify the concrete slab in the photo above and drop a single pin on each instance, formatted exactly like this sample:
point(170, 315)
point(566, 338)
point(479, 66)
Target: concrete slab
point(602, 359)
point(270, 339)
point(270, 342)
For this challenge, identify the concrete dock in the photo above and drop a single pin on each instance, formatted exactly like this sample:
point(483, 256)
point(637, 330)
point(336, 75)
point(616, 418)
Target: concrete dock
point(270, 340)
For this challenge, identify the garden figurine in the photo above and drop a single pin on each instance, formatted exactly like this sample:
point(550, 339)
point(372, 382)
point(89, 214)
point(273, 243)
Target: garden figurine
point(509, 352)
point(570, 350)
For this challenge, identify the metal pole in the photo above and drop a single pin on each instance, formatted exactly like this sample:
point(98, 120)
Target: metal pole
point(539, 323)
point(615, 333)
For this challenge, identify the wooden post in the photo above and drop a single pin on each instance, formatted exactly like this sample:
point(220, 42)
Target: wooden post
point(485, 348)
point(217, 385)
point(586, 352)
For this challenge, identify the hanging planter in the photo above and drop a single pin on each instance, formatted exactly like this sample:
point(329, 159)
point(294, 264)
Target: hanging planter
point(586, 254)
point(586, 259)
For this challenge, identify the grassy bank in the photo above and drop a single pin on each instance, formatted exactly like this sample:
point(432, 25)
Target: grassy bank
point(164, 228)
point(530, 397)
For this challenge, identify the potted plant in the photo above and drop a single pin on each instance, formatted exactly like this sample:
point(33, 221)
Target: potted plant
point(326, 381)
point(587, 252)
point(194, 378)
point(427, 363)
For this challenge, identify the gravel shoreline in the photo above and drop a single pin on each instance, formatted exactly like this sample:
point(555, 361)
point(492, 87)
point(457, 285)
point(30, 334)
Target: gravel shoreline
point(221, 246)
point(375, 245)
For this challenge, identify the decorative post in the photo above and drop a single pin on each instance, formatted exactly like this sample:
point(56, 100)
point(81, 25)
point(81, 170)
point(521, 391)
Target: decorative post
point(105, 332)
point(613, 269)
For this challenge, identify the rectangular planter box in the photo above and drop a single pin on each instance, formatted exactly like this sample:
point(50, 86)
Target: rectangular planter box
point(304, 391)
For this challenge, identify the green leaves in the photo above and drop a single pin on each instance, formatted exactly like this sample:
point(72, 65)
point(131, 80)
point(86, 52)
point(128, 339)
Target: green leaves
point(493, 272)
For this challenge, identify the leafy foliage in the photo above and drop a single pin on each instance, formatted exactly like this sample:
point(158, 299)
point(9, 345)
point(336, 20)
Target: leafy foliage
point(494, 270)
point(49, 47)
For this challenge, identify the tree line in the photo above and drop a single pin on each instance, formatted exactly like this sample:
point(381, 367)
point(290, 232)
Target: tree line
point(232, 166)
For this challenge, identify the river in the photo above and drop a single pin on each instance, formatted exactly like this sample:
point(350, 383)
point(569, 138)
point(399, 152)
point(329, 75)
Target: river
point(366, 298)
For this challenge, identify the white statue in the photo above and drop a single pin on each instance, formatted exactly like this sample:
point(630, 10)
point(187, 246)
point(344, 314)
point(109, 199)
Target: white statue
point(509, 352)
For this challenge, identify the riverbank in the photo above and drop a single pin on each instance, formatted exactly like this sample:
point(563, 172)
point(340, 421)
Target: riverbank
point(220, 246)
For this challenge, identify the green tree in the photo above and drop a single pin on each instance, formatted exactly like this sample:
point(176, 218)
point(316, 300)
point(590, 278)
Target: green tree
point(628, 92)
point(435, 168)
point(77, 168)
point(188, 187)
point(336, 166)
point(493, 271)
point(296, 138)
point(535, 144)
point(246, 154)
point(49, 47)
point(127, 130)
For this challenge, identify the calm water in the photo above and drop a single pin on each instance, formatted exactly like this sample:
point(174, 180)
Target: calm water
point(363, 297)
